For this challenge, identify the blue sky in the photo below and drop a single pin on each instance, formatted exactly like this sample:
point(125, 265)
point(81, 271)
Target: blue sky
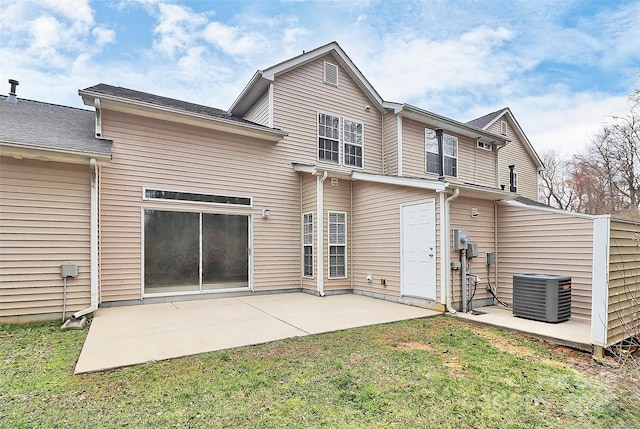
point(563, 67)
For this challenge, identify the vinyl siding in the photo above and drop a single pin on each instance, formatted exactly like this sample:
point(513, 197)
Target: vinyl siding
point(481, 230)
point(337, 199)
point(475, 165)
point(536, 241)
point(376, 234)
point(259, 113)
point(390, 144)
point(298, 97)
point(161, 155)
point(44, 222)
point(309, 198)
point(514, 153)
point(624, 281)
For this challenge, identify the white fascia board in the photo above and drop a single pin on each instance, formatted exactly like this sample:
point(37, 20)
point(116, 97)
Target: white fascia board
point(109, 102)
point(333, 47)
point(520, 132)
point(451, 125)
point(396, 107)
point(600, 281)
point(305, 168)
point(498, 116)
point(400, 181)
point(549, 210)
point(248, 89)
point(42, 153)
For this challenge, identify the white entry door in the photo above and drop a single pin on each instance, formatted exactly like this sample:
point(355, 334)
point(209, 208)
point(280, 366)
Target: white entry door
point(418, 247)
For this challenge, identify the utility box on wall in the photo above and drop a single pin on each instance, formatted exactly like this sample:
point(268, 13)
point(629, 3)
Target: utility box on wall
point(460, 239)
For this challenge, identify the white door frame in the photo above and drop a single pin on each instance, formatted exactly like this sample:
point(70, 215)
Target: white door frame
point(402, 244)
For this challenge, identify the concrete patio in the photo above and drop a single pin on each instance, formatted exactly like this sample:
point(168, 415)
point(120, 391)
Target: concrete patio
point(575, 333)
point(124, 336)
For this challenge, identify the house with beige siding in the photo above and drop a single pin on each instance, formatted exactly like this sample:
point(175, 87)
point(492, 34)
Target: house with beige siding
point(310, 182)
point(49, 163)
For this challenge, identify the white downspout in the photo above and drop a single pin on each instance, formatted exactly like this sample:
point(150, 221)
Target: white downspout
point(319, 231)
point(93, 242)
point(447, 250)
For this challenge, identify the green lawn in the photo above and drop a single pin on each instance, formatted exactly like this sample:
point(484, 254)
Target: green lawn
point(430, 373)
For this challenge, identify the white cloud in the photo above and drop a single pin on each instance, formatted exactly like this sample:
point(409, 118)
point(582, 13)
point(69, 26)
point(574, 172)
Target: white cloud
point(291, 35)
point(560, 120)
point(233, 40)
point(103, 36)
point(177, 28)
point(411, 66)
point(77, 11)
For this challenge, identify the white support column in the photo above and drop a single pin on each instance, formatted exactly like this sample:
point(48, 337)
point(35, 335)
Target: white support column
point(600, 282)
point(399, 124)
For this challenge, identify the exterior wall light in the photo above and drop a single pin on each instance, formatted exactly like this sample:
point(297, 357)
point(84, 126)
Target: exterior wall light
point(266, 213)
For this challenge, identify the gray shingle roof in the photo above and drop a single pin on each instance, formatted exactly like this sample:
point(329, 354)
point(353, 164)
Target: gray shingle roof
point(482, 121)
point(36, 124)
point(157, 100)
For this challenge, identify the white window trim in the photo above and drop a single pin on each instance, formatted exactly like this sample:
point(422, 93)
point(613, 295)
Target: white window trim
point(304, 244)
point(426, 151)
point(449, 156)
point(344, 143)
point(318, 137)
point(515, 180)
point(249, 216)
point(329, 244)
point(164, 200)
point(484, 146)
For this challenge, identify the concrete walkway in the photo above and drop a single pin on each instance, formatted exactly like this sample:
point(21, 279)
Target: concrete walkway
point(574, 332)
point(123, 336)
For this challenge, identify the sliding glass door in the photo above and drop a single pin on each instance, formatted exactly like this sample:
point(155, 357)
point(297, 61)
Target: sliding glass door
point(194, 252)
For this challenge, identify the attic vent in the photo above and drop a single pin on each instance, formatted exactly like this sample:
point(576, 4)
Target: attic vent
point(331, 74)
point(503, 128)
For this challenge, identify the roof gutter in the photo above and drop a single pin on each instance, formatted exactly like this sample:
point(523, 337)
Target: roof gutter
point(320, 229)
point(216, 123)
point(445, 244)
point(44, 153)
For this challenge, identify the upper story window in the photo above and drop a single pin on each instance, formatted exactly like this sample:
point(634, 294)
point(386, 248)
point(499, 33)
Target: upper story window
point(484, 145)
point(328, 138)
point(348, 150)
point(450, 153)
point(503, 128)
point(450, 149)
point(353, 144)
point(431, 145)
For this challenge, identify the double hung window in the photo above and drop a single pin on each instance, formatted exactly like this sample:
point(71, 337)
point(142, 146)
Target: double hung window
point(328, 138)
point(307, 244)
point(337, 244)
point(450, 153)
point(352, 143)
point(334, 146)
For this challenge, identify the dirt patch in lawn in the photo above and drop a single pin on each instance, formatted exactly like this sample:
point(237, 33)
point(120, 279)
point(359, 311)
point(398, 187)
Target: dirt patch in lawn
point(412, 345)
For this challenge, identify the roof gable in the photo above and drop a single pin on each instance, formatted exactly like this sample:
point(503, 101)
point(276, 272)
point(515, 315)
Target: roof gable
point(484, 122)
point(262, 78)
